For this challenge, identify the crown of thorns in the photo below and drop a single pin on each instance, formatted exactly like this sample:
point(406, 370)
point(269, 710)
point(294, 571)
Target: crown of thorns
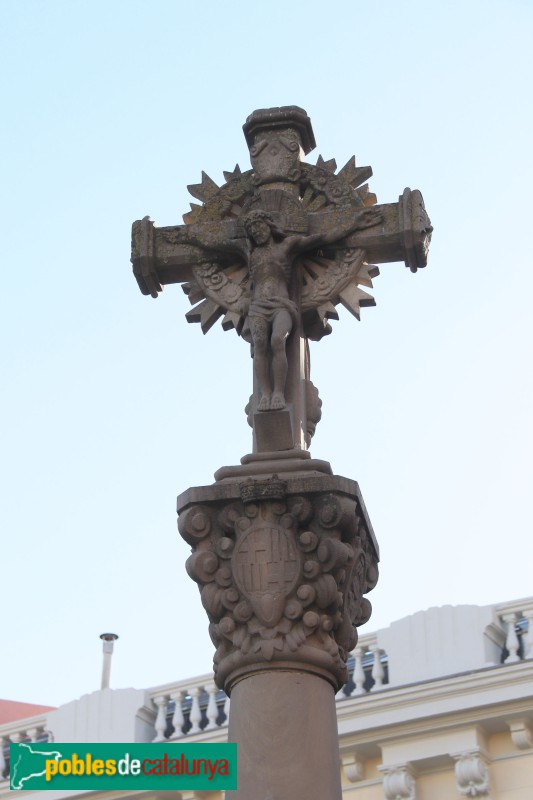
point(258, 216)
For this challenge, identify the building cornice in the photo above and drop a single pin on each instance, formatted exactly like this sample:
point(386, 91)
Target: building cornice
point(495, 692)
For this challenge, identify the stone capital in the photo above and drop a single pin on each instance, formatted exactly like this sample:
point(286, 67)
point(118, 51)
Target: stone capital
point(282, 565)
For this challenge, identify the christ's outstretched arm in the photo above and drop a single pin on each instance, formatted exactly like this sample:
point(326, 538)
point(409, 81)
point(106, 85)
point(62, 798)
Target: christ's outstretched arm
point(210, 241)
point(363, 219)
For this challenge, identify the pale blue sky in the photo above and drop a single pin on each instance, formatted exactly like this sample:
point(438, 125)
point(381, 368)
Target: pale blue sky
point(112, 404)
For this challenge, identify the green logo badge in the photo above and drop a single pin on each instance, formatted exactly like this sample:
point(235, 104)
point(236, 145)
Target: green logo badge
point(169, 765)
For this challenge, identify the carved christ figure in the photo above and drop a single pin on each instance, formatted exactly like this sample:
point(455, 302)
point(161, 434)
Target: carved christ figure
point(270, 254)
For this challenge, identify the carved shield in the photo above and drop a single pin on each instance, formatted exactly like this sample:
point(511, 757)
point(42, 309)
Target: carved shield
point(266, 568)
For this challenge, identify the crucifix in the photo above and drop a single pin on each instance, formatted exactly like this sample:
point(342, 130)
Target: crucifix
point(272, 252)
point(283, 551)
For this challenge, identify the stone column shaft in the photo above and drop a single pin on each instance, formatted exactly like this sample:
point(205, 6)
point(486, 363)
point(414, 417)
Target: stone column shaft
point(286, 729)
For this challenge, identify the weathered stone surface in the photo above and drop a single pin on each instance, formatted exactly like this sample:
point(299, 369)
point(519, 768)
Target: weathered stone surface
point(293, 118)
point(286, 727)
point(283, 565)
point(273, 431)
point(295, 463)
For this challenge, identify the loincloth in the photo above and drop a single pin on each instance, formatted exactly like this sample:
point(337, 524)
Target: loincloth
point(267, 309)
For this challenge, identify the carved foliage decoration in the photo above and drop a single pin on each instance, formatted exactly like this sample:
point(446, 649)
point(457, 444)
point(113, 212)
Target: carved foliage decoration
point(222, 292)
point(275, 156)
point(399, 784)
point(471, 775)
point(319, 186)
point(281, 575)
point(322, 187)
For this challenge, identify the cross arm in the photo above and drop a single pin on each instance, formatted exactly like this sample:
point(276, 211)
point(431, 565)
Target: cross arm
point(403, 234)
point(168, 254)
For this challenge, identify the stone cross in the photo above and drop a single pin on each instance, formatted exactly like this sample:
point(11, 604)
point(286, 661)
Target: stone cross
point(283, 551)
point(273, 251)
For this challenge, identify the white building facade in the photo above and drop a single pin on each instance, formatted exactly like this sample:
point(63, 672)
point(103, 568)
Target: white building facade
point(439, 706)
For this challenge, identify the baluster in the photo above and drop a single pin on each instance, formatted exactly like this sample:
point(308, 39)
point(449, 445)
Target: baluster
point(17, 738)
point(378, 673)
point(196, 713)
point(226, 709)
point(340, 694)
point(33, 733)
point(161, 719)
point(212, 708)
point(511, 643)
point(358, 676)
point(527, 639)
point(178, 719)
point(3, 765)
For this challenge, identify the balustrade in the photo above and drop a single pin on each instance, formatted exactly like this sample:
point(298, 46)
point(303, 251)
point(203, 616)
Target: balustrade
point(186, 710)
point(517, 620)
point(367, 667)
point(30, 730)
